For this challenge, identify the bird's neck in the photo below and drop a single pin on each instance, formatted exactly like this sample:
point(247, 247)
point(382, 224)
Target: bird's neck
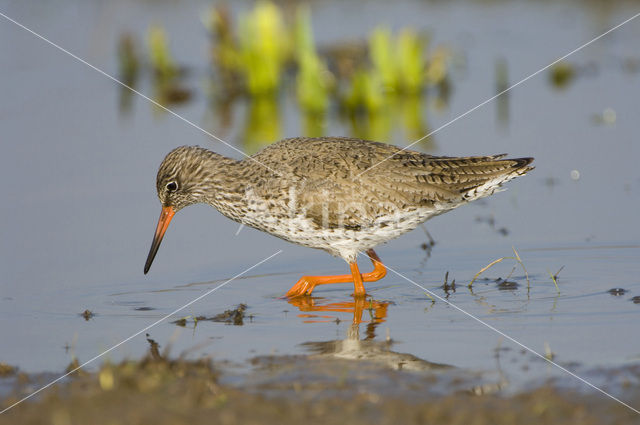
point(225, 185)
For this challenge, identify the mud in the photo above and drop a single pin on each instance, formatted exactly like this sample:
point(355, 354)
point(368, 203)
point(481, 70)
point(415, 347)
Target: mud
point(315, 389)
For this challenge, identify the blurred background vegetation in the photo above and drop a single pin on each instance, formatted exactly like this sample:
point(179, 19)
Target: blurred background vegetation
point(374, 85)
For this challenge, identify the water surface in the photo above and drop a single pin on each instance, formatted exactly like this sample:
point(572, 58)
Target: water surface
point(79, 203)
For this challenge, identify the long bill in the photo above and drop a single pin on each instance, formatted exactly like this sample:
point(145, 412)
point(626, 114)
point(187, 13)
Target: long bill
point(163, 223)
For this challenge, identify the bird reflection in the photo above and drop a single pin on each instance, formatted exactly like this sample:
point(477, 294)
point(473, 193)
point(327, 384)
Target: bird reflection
point(352, 347)
point(377, 311)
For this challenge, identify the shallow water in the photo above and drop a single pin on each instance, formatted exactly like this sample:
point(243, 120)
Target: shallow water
point(79, 204)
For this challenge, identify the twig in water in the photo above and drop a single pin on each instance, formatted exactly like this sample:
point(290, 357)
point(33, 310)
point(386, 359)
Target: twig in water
point(555, 282)
point(558, 272)
point(485, 268)
point(521, 263)
point(448, 286)
point(493, 263)
point(445, 286)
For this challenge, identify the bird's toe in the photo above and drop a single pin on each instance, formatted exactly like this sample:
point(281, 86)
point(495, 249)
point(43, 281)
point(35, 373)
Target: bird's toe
point(303, 287)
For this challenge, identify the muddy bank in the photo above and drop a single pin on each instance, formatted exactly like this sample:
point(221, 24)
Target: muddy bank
point(160, 391)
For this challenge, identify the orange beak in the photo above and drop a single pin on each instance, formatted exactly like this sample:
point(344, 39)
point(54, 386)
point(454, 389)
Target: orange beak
point(163, 223)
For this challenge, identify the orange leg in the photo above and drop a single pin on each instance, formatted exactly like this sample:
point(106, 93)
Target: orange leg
point(306, 284)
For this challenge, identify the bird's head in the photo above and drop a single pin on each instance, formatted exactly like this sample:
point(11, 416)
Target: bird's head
point(183, 177)
point(183, 180)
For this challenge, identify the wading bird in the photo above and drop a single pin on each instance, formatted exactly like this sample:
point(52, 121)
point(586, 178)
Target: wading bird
point(342, 195)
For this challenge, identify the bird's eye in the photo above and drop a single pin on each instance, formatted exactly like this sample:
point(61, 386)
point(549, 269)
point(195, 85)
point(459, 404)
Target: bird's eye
point(172, 186)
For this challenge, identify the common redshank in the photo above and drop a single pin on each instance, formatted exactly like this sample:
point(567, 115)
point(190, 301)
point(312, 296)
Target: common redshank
point(338, 194)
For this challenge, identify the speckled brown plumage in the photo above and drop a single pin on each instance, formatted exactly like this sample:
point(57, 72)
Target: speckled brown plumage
point(342, 195)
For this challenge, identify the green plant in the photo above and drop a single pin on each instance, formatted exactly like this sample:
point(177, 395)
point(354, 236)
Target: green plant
point(264, 48)
point(161, 60)
point(314, 80)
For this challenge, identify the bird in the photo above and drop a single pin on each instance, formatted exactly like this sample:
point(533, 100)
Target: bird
point(339, 194)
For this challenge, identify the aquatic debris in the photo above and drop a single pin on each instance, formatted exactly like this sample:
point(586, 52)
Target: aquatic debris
point(446, 287)
point(485, 268)
point(87, 314)
point(232, 317)
point(616, 292)
point(554, 278)
point(181, 322)
point(494, 262)
point(507, 285)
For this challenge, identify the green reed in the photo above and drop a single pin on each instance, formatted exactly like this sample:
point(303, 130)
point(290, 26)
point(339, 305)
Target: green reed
point(376, 85)
point(162, 61)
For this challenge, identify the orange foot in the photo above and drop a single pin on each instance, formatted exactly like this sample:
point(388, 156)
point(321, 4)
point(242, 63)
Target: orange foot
point(307, 284)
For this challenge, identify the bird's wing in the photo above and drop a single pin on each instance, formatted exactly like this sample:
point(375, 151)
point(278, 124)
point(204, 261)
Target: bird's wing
point(344, 182)
point(431, 179)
